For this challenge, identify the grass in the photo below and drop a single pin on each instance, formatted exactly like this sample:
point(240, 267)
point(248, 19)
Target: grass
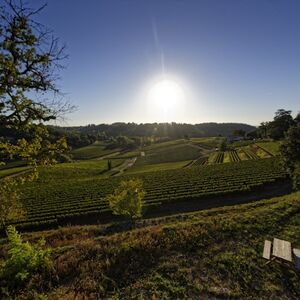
point(13, 164)
point(260, 152)
point(81, 170)
point(93, 151)
point(175, 153)
point(13, 171)
point(241, 143)
point(209, 142)
point(158, 167)
point(128, 154)
point(203, 255)
point(226, 157)
point(242, 155)
point(212, 157)
point(77, 192)
point(272, 147)
point(161, 145)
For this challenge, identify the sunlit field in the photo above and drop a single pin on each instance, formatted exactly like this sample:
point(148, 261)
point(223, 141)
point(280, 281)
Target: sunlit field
point(149, 150)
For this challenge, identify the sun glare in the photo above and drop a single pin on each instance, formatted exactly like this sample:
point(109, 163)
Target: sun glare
point(166, 96)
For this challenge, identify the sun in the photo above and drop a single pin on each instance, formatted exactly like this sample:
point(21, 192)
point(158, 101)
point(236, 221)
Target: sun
point(166, 96)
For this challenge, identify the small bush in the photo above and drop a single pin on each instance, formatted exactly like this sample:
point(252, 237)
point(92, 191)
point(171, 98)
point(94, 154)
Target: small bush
point(24, 259)
point(127, 199)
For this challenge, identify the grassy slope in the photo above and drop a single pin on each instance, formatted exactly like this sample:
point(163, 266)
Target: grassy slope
point(242, 155)
point(92, 151)
point(12, 171)
point(157, 146)
point(210, 142)
point(158, 167)
point(272, 147)
point(203, 255)
point(226, 157)
point(170, 152)
point(13, 164)
point(75, 171)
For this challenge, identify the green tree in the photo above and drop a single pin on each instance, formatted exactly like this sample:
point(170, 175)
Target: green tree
point(282, 121)
point(263, 129)
point(223, 145)
point(30, 58)
point(297, 119)
point(109, 165)
point(127, 199)
point(10, 206)
point(290, 150)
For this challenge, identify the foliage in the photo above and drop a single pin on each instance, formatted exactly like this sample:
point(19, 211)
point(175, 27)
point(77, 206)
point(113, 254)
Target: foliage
point(158, 167)
point(215, 253)
point(145, 133)
point(75, 191)
point(181, 151)
point(297, 119)
point(29, 59)
point(282, 121)
point(270, 147)
point(223, 146)
point(124, 142)
point(10, 206)
point(24, 259)
point(262, 130)
point(13, 171)
point(92, 151)
point(290, 151)
point(127, 199)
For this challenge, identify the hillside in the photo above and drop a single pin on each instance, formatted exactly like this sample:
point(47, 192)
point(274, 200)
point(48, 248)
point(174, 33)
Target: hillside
point(76, 192)
point(171, 130)
point(213, 254)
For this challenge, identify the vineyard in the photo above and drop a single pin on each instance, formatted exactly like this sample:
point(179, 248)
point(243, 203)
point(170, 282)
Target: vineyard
point(49, 201)
point(174, 153)
point(234, 156)
point(95, 150)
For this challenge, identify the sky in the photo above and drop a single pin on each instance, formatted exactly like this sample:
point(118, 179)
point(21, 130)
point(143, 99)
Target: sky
point(233, 60)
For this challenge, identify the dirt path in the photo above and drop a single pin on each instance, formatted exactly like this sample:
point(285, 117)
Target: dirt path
point(128, 163)
point(16, 174)
point(107, 155)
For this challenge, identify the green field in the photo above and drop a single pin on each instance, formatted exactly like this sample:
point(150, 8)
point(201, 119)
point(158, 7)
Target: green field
point(208, 142)
point(242, 155)
point(271, 147)
point(81, 170)
point(227, 158)
point(13, 164)
point(213, 254)
point(95, 150)
point(158, 167)
point(74, 191)
point(157, 146)
point(182, 152)
point(13, 170)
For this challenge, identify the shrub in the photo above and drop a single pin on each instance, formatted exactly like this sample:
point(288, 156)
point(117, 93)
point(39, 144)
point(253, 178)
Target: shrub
point(127, 199)
point(24, 259)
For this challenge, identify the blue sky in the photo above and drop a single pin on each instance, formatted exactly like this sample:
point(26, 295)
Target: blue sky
point(236, 60)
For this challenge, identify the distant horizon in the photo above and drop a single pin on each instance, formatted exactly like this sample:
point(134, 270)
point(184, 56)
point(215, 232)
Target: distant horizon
point(143, 123)
point(65, 122)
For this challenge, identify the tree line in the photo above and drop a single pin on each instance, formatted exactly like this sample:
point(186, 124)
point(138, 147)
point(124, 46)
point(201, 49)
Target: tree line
point(277, 128)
